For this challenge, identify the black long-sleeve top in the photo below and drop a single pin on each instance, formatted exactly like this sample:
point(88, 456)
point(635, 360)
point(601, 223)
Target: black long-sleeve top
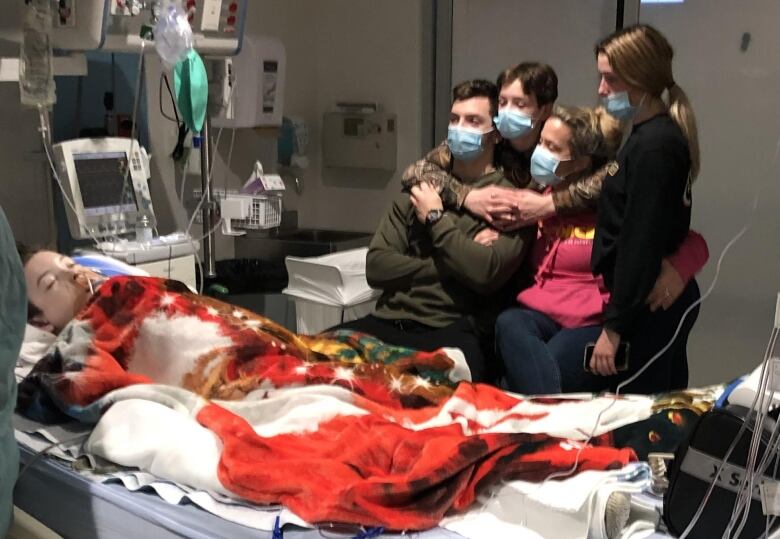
point(644, 214)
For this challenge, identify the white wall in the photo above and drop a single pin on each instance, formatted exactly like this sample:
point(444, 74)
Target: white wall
point(735, 96)
point(491, 35)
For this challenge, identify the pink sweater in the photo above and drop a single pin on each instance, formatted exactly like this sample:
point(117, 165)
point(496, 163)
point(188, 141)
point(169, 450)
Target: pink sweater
point(564, 287)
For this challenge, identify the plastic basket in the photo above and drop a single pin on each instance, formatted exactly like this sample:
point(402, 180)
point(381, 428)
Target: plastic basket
point(246, 212)
point(264, 212)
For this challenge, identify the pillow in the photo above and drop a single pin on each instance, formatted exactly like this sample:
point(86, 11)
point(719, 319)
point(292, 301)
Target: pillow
point(36, 343)
point(107, 266)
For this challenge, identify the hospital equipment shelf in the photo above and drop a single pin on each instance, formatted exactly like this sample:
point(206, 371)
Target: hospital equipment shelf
point(171, 257)
point(179, 269)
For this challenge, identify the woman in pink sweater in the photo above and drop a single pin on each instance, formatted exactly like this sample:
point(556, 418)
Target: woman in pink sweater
point(542, 341)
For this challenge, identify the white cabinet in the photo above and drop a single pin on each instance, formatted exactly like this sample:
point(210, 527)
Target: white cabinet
point(181, 268)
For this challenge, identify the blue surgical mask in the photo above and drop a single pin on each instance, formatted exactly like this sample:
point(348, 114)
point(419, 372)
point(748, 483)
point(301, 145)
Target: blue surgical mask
point(543, 167)
point(465, 145)
point(513, 123)
point(619, 106)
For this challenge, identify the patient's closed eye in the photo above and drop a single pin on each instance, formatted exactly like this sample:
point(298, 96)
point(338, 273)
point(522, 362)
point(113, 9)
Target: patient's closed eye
point(48, 282)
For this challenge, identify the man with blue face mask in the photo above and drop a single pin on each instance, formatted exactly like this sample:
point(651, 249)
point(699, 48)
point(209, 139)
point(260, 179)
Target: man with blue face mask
point(441, 288)
point(13, 313)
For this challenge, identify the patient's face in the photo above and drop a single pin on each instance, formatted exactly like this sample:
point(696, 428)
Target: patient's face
point(58, 287)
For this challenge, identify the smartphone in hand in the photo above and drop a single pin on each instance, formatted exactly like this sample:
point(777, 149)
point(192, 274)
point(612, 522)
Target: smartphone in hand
point(621, 357)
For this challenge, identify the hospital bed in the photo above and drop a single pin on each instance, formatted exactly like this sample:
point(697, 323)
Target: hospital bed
point(78, 505)
point(74, 505)
point(95, 502)
point(87, 504)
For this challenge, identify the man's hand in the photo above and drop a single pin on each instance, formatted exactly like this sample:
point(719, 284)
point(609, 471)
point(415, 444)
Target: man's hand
point(424, 199)
point(489, 201)
point(668, 287)
point(486, 237)
point(528, 207)
point(603, 360)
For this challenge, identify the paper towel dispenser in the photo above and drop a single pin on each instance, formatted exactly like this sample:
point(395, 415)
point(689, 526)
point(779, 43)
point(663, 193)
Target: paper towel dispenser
point(366, 140)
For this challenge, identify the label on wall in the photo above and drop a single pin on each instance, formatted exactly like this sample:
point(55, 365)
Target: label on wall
point(211, 12)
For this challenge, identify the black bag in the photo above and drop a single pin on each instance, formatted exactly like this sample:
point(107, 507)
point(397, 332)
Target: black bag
point(694, 467)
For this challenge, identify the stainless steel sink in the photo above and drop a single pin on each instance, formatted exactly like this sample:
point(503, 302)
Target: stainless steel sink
point(298, 242)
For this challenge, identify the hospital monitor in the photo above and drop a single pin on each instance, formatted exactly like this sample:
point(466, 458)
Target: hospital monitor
point(107, 197)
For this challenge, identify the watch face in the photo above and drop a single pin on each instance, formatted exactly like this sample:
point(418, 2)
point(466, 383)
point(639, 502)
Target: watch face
point(433, 216)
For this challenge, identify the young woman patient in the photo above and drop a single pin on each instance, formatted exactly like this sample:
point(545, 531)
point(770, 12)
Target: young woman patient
point(113, 332)
point(542, 341)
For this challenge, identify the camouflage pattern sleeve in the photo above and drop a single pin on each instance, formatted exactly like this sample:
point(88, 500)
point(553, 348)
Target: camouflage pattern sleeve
point(435, 169)
point(582, 195)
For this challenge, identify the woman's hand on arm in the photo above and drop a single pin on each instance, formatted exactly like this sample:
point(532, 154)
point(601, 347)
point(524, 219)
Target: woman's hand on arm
point(668, 287)
point(677, 270)
point(489, 201)
point(487, 236)
point(528, 207)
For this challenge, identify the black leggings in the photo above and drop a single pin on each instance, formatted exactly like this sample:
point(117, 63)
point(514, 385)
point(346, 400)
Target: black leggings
point(653, 330)
point(460, 334)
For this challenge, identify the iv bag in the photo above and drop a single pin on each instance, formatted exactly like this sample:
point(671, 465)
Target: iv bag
point(36, 74)
point(172, 34)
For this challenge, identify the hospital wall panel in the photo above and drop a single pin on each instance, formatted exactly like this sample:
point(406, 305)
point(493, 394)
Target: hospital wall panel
point(491, 35)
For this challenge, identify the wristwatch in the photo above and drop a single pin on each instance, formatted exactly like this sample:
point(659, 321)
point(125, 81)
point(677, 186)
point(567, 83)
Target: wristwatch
point(433, 216)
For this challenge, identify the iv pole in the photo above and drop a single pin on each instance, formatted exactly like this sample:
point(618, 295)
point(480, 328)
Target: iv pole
point(209, 255)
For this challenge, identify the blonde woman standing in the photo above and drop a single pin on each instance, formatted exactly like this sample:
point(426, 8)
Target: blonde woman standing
point(645, 209)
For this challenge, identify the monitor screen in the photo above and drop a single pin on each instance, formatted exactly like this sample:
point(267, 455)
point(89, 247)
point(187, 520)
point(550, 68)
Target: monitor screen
point(101, 178)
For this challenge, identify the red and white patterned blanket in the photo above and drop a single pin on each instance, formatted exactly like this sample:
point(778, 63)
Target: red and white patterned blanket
point(338, 427)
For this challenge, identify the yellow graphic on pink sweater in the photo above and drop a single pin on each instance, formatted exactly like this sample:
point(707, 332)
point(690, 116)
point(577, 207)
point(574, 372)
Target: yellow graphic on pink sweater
point(576, 232)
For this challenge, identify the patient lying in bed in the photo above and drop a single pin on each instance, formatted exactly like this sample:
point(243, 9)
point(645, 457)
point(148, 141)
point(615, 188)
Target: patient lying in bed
point(125, 330)
point(374, 435)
